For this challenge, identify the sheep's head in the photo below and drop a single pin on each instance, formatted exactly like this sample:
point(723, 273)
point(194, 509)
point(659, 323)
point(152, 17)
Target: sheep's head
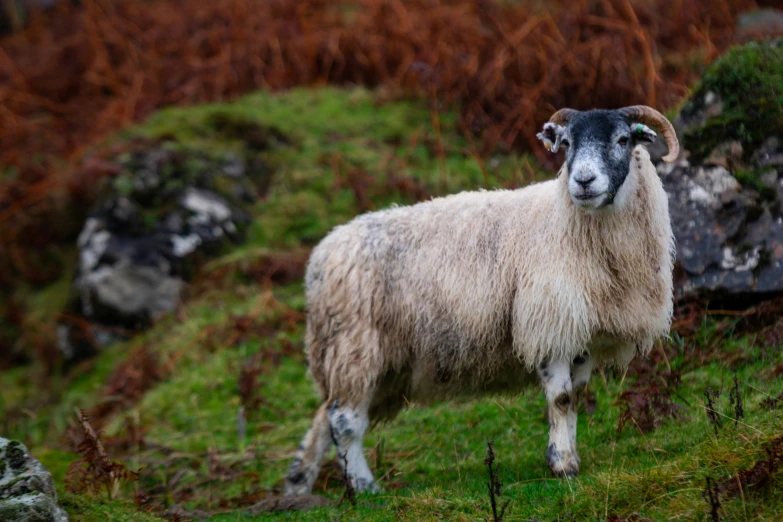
point(599, 147)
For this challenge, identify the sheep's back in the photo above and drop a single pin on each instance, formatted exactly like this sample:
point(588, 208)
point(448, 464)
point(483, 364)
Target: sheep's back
point(429, 285)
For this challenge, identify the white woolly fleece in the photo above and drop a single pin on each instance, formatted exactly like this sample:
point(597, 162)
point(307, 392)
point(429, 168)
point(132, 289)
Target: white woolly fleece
point(468, 293)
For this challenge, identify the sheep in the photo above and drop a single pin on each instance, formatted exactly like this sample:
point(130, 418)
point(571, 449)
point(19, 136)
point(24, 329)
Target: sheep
point(488, 292)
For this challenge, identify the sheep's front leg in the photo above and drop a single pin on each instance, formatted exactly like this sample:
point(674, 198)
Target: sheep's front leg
point(561, 452)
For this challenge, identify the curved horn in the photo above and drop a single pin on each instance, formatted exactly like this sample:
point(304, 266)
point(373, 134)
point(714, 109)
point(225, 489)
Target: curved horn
point(563, 116)
point(656, 120)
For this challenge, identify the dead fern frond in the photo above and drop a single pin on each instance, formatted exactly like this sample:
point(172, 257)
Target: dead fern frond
point(649, 401)
point(93, 470)
point(494, 485)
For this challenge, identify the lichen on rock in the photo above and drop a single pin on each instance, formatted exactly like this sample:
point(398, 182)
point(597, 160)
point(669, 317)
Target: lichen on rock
point(726, 198)
point(27, 492)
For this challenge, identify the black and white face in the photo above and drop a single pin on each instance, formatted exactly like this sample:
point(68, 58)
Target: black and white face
point(598, 155)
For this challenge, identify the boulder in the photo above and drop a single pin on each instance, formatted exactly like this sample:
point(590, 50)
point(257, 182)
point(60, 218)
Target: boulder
point(726, 191)
point(27, 492)
point(729, 238)
point(167, 209)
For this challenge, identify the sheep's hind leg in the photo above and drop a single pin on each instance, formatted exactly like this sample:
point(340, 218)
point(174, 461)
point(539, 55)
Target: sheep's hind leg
point(348, 427)
point(581, 369)
point(561, 452)
point(304, 469)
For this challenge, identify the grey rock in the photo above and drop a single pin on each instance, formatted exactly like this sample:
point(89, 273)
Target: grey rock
point(132, 290)
point(727, 154)
point(697, 198)
point(729, 236)
point(769, 154)
point(167, 210)
point(697, 111)
point(726, 196)
point(769, 179)
point(27, 492)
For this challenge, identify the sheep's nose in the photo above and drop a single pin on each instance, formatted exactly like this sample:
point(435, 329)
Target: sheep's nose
point(585, 181)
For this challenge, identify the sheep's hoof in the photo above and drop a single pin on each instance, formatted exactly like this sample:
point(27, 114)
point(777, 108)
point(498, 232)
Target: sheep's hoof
point(563, 464)
point(363, 485)
point(567, 473)
point(295, 490)
point(297, 482)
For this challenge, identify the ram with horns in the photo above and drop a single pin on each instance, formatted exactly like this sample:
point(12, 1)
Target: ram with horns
point(490, 292)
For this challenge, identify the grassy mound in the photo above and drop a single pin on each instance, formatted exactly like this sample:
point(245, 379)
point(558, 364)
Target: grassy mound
point(210, 404)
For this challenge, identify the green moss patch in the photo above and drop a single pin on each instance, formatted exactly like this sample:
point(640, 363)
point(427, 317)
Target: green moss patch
point(748, 81)
point(14, 454)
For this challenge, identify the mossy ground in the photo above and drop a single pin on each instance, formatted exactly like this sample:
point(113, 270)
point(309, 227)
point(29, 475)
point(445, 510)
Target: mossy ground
point(352, 151)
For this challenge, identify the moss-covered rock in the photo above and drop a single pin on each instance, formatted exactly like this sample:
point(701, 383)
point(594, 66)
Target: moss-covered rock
point(27, 492)
point(726, 201)
point(739, 99)
point(15, 455)
point(169, 207)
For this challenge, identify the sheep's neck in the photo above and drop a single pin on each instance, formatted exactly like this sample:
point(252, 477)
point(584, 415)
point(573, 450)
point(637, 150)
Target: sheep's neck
point(622, 256)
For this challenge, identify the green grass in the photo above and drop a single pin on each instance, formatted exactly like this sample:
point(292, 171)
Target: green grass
point(432, 456)
point(436, 453)
point(430, 459)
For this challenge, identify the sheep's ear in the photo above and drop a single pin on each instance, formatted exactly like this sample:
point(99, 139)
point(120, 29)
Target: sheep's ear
point(552, 134)
point(642, 133)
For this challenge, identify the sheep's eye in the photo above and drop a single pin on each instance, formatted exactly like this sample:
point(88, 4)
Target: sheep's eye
point(623, 141)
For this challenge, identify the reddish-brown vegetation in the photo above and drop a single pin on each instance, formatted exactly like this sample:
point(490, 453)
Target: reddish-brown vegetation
point(648, 402)
point(757, 477)
point(81, 72)
point(93, 470)
point(130, 380)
